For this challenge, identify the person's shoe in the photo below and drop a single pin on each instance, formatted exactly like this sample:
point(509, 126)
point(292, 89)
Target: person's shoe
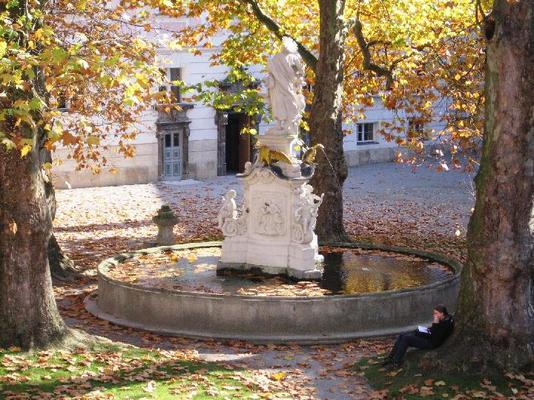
point(388, 360)
point(396, 365)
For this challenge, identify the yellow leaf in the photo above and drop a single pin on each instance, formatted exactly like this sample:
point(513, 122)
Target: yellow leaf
point(14, 349)
point(93, 140)
point(25, 150)
point(278, 376)
point(3, 48)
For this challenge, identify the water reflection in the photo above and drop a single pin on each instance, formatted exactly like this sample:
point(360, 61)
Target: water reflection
point(346, 271)
point(349, 273)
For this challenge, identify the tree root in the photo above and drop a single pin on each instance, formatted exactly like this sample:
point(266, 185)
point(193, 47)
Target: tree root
point(74, 339)
point(466, 355)
point(62, 268)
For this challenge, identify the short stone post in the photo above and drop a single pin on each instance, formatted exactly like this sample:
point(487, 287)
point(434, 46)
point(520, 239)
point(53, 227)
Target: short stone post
point(165, 220)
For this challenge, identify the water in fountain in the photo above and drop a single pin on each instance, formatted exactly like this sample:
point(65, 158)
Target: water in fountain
point(346, 271)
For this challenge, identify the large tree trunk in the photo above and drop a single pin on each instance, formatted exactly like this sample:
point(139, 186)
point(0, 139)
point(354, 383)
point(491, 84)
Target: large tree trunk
point(325, 121)
point(28, 313)
point(495, 319)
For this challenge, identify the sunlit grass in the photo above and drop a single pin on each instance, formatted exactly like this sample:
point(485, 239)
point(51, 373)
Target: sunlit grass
point(118, 372)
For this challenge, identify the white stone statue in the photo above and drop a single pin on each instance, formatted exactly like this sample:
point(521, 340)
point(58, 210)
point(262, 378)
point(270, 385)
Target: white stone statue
point(228, 209)
point(229, 220)
point(284, 83)
point(305, 215)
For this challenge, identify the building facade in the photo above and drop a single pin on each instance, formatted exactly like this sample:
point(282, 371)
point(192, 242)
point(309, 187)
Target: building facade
point(199, 142)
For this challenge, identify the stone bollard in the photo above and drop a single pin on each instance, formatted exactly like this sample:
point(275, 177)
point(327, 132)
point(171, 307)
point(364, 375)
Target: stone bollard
point(165, 220)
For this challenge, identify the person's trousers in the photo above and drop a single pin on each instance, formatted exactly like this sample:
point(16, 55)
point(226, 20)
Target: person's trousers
point(409, 339)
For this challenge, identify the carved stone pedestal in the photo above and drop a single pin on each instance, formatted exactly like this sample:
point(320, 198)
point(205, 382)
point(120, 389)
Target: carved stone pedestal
point(273, 229)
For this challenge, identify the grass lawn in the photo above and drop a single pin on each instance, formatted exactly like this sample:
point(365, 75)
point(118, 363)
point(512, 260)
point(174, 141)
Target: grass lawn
point(397, 384)
point(109, 371)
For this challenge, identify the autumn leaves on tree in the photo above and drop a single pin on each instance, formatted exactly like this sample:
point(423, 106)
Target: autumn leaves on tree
point(76, 55)
point(406, 54)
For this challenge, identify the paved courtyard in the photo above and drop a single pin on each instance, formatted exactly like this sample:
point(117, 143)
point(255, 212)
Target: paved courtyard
point(383, 202)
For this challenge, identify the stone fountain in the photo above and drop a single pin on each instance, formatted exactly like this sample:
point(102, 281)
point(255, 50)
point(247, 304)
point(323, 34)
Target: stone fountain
point(273, 229)
point(365, 290)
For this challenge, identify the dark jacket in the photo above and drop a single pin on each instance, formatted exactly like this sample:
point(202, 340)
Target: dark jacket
point(439, 332)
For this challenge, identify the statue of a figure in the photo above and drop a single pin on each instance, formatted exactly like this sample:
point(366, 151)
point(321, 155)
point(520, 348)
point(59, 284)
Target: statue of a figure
point(228, 210)
point(306, 210)
point(284, 82)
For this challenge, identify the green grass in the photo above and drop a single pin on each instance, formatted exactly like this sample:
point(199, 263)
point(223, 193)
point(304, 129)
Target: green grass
point(433, 385)
point(120, 372)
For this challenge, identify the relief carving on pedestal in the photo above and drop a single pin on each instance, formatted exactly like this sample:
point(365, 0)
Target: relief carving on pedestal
point(268, 214)
point(270, 221)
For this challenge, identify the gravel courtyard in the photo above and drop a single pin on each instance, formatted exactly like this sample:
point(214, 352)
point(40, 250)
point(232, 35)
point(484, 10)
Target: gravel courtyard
point(383, 202)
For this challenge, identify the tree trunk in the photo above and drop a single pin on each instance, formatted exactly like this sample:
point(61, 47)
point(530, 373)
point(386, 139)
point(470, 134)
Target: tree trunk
point(28, 313)
point(61, 266)
point(495, 318)
point(325, 122)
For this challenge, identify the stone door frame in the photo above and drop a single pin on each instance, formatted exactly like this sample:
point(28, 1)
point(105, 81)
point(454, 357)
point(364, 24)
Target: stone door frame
point(221, 120)
point(175, 121)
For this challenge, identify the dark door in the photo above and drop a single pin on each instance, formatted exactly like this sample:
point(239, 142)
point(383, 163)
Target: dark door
point(237, 146)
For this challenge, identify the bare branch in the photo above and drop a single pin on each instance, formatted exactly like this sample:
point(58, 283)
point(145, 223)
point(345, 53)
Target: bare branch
point(309, 58)
point(367, 60)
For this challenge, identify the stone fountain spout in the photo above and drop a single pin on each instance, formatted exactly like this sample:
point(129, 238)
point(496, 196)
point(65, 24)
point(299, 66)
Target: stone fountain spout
point(273, 230)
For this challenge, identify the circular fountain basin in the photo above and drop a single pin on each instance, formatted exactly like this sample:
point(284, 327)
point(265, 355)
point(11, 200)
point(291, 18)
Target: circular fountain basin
point(366, 290)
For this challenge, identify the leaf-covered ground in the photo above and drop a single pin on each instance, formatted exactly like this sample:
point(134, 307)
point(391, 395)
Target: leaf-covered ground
point(385, 203)
point(119, 372)
point(399, 384)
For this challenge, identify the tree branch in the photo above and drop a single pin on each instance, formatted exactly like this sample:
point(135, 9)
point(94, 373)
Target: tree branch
point(309, 58)
point(367, 60)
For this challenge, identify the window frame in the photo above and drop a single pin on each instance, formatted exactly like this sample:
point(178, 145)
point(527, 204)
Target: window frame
point(173, 74)
point(363, 134)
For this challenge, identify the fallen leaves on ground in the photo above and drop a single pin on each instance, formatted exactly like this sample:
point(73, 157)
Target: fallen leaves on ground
point(429, 384)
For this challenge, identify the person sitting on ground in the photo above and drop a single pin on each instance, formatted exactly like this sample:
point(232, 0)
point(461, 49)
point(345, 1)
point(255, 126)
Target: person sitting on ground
point(423, 338)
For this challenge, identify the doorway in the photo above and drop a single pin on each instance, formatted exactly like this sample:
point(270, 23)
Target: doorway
point(172, 156)
point(235, 149)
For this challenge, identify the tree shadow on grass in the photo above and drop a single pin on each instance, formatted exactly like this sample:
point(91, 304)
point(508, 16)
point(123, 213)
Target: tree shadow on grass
point(409, 383)
point(134, 373)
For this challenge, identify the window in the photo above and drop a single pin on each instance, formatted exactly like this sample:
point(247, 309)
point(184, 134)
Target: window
point(365, 132)
point(416, 129)
point(61, 101)
point(171, 75)
point(175, 74)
